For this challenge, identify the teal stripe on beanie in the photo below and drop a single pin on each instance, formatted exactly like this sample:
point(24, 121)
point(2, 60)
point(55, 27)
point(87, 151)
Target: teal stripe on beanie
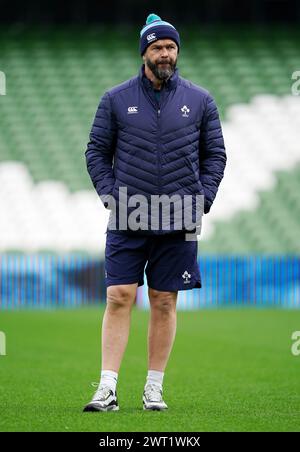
point(155, 29)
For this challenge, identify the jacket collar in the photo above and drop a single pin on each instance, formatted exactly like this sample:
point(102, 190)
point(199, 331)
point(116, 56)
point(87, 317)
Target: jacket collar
point(169, 85)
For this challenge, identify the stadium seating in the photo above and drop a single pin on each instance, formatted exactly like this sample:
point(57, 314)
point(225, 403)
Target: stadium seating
point(55, 79)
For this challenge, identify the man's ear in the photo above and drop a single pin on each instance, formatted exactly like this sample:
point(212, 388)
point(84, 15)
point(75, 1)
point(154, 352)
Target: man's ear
point(144, 58)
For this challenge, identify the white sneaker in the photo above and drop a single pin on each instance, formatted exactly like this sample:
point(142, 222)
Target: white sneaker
point(104, 400)
point(152, 398)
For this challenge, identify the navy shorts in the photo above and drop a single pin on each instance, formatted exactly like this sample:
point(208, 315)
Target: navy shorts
point(171, 261)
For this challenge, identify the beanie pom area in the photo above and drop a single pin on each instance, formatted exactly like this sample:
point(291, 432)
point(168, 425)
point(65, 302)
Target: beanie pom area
point(152, 18)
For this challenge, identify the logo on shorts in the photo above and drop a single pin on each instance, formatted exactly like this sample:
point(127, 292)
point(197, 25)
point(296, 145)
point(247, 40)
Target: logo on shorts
point(187, 277)
point(105, 274)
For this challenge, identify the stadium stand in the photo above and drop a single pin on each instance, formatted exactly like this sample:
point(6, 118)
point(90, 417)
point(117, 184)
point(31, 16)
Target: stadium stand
point(55, 79)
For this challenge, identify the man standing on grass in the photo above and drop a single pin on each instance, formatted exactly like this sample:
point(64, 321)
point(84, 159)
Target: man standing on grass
point(156, 142)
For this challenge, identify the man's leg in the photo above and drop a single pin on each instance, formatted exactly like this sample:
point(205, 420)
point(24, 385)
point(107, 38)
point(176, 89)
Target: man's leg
point(161, 335)
point(116, 324)
point(162, 328)
point(115, 332)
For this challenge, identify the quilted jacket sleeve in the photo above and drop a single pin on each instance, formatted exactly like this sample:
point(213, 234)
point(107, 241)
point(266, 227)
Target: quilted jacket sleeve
point(100, 149)
point(212, 155)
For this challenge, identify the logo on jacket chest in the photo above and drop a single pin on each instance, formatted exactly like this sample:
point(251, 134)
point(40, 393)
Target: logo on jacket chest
point(132, 110)
point(185, 111)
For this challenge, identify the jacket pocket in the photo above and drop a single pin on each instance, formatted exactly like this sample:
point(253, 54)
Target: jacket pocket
point(197, 182)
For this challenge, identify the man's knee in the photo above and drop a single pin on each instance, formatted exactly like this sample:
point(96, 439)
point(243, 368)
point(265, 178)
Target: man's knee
point(164, 302)
point(121, 296)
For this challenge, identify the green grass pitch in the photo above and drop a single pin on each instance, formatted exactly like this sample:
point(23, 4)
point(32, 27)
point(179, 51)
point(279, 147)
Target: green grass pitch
point(230, 370)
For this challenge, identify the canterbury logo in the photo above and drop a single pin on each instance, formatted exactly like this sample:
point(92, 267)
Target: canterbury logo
point(151, 37)
point(132, 110)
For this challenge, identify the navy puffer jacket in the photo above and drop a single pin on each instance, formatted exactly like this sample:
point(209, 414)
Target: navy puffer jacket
point(174, 146)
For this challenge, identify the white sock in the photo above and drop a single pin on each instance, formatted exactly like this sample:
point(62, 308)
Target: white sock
point(109, 378)
point(155, 377)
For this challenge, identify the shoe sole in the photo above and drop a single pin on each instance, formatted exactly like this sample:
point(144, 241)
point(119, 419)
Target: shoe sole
point(94, 409)
point(154, 408)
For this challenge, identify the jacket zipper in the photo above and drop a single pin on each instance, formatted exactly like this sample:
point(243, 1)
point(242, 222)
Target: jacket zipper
point(158, 152)
point(158, 165)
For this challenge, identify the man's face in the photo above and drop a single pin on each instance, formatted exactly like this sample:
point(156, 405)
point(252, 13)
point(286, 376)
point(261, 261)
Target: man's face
point(161, 58)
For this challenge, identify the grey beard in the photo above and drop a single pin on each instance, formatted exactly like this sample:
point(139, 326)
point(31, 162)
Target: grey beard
point(161, 74)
